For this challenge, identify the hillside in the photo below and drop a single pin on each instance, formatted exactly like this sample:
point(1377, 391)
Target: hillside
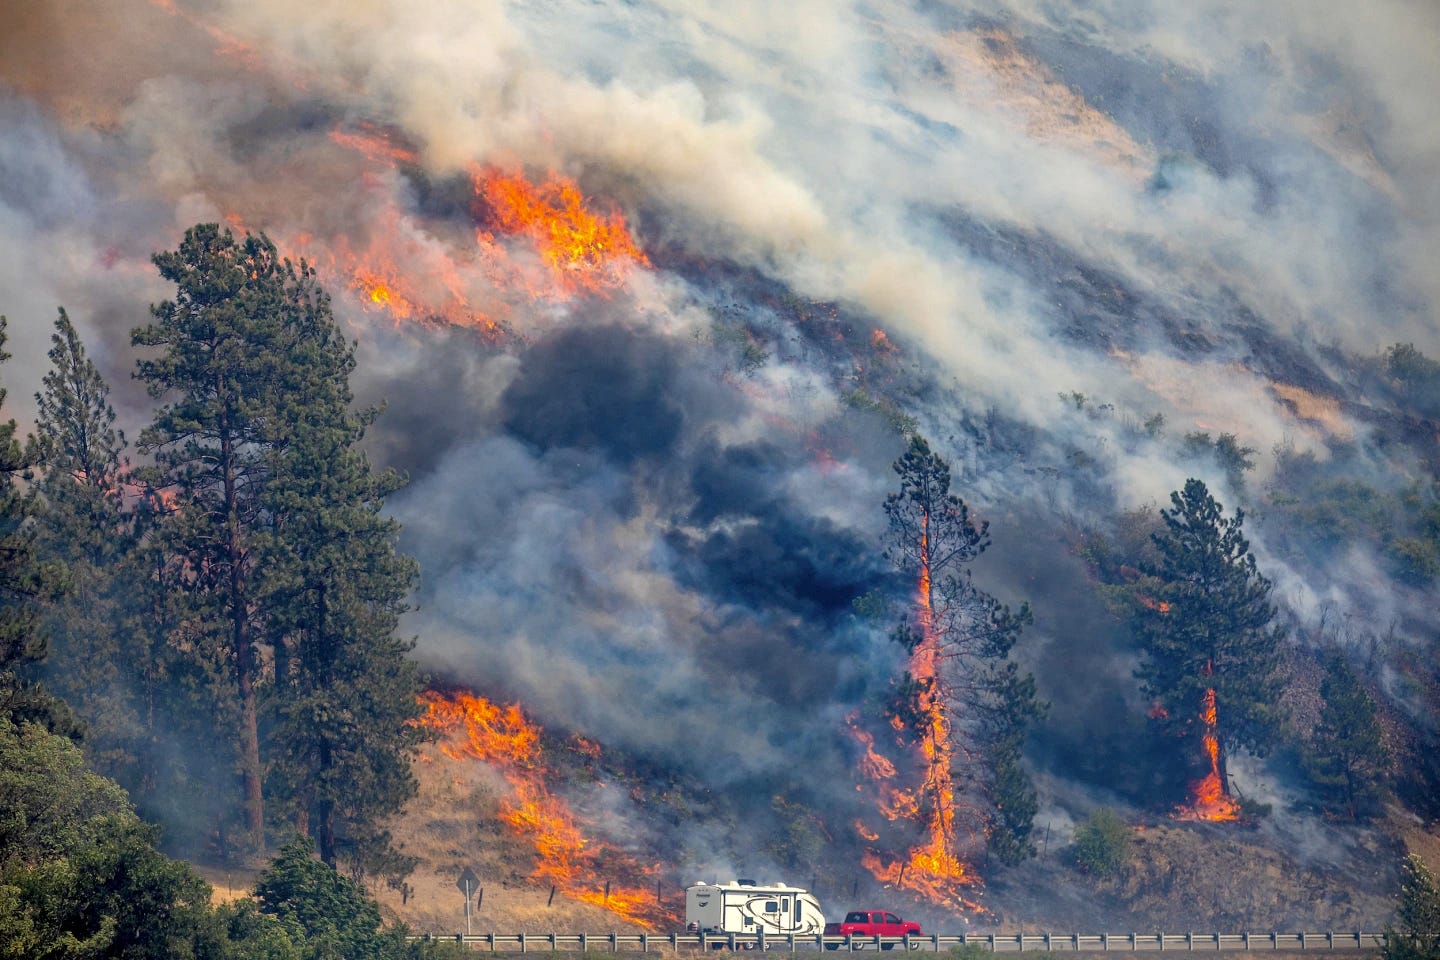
point(1200, 877)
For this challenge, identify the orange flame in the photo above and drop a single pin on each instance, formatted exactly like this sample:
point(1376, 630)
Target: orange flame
point(586, 253)
point(933, 868)
point(564, 856)
point(1209, 800)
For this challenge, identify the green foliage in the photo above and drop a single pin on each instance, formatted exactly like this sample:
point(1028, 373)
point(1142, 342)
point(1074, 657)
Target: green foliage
point(96, 661)
point(1207, 626)
point(1417, 913)
point(1102, 844)
point(1415, 379)
point(1014, 710)
point(278, 542)
point(1347, 758)
point(1226, 451)
point(26, 581)
point(798, 842)
point(79, 873)
point(898, 420)
point(327, 914)
point(968, 951)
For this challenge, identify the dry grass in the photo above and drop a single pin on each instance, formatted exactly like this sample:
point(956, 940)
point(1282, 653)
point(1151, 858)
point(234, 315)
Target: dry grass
point(452, 823)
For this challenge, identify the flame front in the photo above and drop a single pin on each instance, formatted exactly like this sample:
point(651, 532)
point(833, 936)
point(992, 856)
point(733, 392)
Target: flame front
point(504, 738)
point(586, 253)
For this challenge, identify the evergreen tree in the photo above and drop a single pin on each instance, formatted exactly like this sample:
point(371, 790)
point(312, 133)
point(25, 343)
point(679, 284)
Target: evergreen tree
point(346, 689)
point(281, 542)
point(226, 368)
point(960, 696)
point(1010, 713)
point(86, 527)
point(26, 582)
point(1418, 914)
point(1348, 757)
point(327, 913)
point(1208, 628)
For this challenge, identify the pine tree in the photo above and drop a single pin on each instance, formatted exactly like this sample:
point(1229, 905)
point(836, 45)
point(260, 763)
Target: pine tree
point(1208, 628)
point(26, 582)
point(85, 527)
point(960, 695)
point(1418, 914)
point(227, 369)
point(346, 688)
point(1348, 757)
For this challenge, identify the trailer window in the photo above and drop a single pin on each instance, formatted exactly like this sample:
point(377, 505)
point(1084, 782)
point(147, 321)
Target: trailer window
point(771, 906)
point(798, 905)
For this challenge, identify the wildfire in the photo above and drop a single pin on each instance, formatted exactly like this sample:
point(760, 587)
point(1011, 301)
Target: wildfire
point(504, 738)
point(586, 253)
point(1209, 799)
point(933, 868)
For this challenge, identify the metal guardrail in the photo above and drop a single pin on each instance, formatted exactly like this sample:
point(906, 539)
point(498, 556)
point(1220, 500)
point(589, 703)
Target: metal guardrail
point(994, 942)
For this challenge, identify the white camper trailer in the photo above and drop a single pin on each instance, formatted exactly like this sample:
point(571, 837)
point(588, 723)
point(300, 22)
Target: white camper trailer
point(743, 906)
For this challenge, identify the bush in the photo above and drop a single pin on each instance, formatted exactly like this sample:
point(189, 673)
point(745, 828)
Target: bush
point(1102, 844)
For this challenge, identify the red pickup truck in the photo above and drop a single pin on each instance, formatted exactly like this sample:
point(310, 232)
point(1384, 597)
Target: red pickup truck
point(871, 923)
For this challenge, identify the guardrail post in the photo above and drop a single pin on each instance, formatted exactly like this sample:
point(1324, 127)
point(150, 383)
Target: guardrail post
point(1105, 942)
point(491, 938)
point(644, 943)
point(732, 943)
point(613, 945)
point(992, 943)
point(1132, 943)
point(522, 944)
point(1190, 940)
point(1049, 948)
point(1274, 941)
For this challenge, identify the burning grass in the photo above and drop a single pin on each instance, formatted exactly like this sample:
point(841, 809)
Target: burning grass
point(564, 852)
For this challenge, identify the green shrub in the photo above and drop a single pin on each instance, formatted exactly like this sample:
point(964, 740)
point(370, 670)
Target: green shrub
point(1102, 844)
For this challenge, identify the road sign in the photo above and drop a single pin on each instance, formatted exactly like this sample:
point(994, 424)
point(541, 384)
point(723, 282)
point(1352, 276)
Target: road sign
point(468, 882)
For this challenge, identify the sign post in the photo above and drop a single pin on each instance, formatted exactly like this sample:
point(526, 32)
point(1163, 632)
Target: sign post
point(467, 883)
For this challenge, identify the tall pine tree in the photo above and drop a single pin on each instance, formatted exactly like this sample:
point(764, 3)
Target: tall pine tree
point(283, 546)
point(961, 695)
point(1208, 627)
point(86, 527)
point(26, 582)
point(225, 369)
point(345, 689)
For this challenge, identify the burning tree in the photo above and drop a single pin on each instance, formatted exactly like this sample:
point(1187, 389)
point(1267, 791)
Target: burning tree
point(1203, 619)
point(963, 707)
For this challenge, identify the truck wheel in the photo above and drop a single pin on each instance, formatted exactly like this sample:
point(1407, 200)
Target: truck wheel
point(832, 946)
